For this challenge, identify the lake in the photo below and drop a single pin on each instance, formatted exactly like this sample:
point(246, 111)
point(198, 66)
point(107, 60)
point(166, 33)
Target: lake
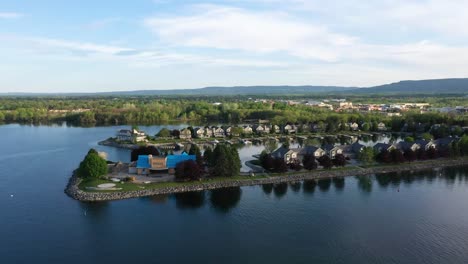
point(407, 218)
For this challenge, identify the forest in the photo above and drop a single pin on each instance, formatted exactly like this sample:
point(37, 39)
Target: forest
point(96, 111)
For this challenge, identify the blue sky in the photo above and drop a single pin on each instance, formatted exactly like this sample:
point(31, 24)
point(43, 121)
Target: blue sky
point(86, 46)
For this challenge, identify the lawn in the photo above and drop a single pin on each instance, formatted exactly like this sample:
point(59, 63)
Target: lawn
point(129, 186)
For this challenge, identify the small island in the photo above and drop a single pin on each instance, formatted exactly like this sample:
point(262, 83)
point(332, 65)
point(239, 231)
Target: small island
point(152, 171)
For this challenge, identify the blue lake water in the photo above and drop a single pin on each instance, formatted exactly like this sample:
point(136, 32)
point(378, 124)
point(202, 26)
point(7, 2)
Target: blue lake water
point(417, 218)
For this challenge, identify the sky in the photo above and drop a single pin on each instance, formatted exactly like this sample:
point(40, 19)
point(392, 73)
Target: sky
point(95, 46)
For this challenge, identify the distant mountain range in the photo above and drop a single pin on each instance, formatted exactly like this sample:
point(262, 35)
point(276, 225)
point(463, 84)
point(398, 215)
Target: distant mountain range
point(436, 86)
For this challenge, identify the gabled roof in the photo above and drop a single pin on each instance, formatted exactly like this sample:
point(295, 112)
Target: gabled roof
point(403, 145)
point(279, 152)
point(356, 147)
point(380, 146)
point(441, 142)
point(328, 147)
point(309, 150)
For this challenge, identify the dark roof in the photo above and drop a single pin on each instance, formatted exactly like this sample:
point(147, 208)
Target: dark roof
point(356, 147)
point(380, 146)
point(328, 147)
point(279, 152)
point(309, 150)
point(421, 142)
point(403, 145)
point(443, 142)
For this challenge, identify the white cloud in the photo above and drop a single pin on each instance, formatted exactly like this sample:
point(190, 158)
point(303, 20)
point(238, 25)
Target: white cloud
point(237, 29)
point(78, 46)
point(270, 33)
point(10, 15)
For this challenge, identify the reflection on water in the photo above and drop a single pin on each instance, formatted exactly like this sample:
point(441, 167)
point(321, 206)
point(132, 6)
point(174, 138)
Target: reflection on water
point(295, 186)
point(339, 183)
point(267, 188)
point(309, 186)
point(280, 189)
point(190, 200)
point(365, 183)
point(223, 200)
point(157, 199)
point(324, 184)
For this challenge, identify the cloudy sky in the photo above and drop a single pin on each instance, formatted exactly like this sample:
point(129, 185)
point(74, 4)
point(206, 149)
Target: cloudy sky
point(87, 45)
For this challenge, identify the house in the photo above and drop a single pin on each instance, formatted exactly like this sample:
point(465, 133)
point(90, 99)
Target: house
point(261, 129)
point(147, 164)
point(287, 154)
point(332, 150)
point(381, 127)
point(185, 134)
point(356, 148)
point(208, 132)
point(247, 129)
point(289, 129)
point(275, 129)
point(199, 132)
point(218, 132)
point(354, 126)
point(405, 146)
point(131, 135)
point(227, 130)
point(443, 143)
point(311, 150)
point(424, 144)
point(379, 147)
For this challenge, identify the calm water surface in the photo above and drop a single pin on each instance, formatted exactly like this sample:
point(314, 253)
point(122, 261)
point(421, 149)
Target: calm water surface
point(419, 218)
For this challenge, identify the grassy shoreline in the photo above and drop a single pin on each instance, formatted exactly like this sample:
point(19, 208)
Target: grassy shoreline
point(77, 187)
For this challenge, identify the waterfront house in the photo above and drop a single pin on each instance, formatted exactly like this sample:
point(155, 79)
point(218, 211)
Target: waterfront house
point(443, 143)
point(332, 150)
point(261, 129)
point(185, 134)
point(247, 129)
point(311, 150)
point(275, 129)
point(381, 127)
point(289, 129)
point(424, 144)
point(289, 155)
point(199, 132)
point(131, 135)
point(227, 130)
point(356, 148)
point(354, 126)
point(405, 146)
point(379, 147)
point(218, 132)
point(208, 132)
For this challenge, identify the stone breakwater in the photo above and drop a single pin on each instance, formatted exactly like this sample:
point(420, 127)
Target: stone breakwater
point(112, 143)
point(73, 191)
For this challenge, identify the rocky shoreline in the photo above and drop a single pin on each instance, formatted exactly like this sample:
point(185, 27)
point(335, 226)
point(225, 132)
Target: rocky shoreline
point(112, 143)
point(74, 192)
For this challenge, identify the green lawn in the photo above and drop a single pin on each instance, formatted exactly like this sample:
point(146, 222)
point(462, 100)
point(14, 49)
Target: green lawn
point(129, 186)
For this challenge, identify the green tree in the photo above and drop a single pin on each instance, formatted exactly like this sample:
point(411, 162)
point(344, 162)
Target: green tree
point(367, 155)
point(226, 161)
point(195, 150)
point(409, 139)
point(92, 166)
point(164, 132)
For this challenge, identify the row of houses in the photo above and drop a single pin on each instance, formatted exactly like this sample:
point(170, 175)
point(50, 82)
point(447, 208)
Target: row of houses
point(291, 154)
point(223, 131)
